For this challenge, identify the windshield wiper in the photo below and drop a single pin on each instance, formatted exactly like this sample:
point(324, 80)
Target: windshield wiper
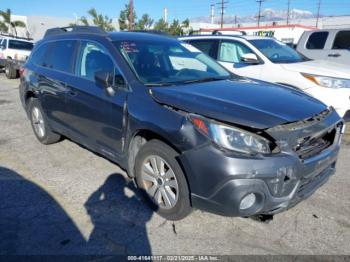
point(206, 79)
point(159, 84)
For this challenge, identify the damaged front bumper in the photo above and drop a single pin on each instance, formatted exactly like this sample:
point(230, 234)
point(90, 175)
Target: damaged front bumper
point(220, 180)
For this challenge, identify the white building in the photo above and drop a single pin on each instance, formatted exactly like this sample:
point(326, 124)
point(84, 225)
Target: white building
point(286, 33)
point(36, 26)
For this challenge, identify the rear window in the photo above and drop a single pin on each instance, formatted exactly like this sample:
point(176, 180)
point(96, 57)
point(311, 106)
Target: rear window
point(20, 45)
point(317, 40)
point(342, 40)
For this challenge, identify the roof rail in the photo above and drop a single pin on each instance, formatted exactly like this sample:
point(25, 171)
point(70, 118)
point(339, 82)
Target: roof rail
point(17, 37)
point(218, 32)
point(156, 32)
point(75, 29)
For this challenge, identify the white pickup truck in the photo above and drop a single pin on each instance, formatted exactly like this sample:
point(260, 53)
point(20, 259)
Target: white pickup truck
point(13, 53)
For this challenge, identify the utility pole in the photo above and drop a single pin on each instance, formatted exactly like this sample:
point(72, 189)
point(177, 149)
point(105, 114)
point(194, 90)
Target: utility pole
point(131, 15)
point(222, 8)
point(259, 15)
point(288, 12)
point(212, 13)
point(318, 12)
point(166, 15)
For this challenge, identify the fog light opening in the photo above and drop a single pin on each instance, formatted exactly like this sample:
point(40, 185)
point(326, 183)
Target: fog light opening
point(248, 201)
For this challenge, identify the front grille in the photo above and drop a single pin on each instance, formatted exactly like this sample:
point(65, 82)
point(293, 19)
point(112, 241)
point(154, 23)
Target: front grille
point(311, 146)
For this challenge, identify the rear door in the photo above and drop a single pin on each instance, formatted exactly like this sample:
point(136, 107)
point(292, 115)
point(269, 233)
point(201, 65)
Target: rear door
point(340, 48)
point(208, 46)
point(54, 63)
point(96, 118)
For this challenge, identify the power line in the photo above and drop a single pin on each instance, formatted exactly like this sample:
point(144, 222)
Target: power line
point(259, 16)
point(222, 7)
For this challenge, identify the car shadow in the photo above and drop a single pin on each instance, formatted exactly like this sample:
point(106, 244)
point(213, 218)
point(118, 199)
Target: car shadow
point(119, 215)
point(32, 222)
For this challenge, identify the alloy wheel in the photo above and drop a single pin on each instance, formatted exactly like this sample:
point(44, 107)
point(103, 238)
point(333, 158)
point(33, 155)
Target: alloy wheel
point(38, 122)
point(159, 181)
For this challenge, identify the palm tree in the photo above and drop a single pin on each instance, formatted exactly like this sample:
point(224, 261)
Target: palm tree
point(7, 23)
point(98, 20)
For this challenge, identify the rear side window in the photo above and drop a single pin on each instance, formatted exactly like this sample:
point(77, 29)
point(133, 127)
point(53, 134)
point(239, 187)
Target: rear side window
point(20, 45)
point(39, 55)
point(208, 47)
point(317, 40)
point(342, 40)
point(60, 55)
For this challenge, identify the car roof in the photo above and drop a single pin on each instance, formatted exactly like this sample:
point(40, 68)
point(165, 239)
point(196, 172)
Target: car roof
point(245, 37)
point(92, 32)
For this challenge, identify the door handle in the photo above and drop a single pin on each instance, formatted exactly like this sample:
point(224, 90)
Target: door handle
point(72, 93)
point(334, 55)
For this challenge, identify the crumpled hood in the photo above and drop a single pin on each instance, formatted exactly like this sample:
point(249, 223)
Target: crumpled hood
point(320, 67)
point(243, 102)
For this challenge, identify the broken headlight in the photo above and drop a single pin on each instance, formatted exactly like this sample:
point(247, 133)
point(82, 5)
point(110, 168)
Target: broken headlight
point(232, 138)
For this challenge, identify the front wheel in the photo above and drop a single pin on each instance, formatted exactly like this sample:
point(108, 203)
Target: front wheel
point(161, 178)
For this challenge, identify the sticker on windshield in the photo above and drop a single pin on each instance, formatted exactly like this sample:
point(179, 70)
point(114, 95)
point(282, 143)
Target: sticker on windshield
point(190, 48)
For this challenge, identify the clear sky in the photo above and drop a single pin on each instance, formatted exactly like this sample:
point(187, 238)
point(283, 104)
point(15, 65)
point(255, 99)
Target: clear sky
point(179, 9)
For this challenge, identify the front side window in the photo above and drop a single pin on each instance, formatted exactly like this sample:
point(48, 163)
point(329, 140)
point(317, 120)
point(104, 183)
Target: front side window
point(342, 40)
point(20, 45)
point(60, 55)
point(232, 52)
point(317, 40)
point(93, 58)
point(168, 62)
point(277, 52)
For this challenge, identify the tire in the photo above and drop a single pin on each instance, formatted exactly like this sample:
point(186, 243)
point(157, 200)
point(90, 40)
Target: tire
point(40, 125)
point(10, 72)
point(171, 186)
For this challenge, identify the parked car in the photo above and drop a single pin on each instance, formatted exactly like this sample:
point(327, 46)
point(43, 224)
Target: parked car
point(326, 44)
point(269, 60)
point(13, 53)
point(189, 132)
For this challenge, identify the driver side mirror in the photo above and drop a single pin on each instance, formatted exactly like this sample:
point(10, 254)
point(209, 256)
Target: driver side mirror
point(109, 81)
point(250, 58)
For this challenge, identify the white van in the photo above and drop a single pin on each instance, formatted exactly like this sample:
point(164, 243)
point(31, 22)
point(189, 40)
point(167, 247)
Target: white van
point(329, 44)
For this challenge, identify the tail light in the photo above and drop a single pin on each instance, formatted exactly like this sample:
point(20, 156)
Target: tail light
point(22, 71)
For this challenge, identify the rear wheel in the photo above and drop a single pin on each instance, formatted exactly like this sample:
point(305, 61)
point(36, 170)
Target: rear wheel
point(40, 125)
point(161, 178)
point(10, 71)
